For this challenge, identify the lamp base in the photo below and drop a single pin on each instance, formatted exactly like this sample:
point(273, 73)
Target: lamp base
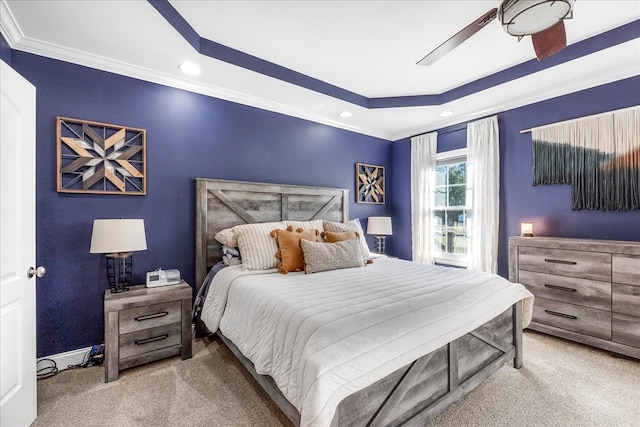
point(119, 266)
point(378, 242)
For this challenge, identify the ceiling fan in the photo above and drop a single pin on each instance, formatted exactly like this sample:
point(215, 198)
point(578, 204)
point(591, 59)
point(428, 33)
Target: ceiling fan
point(543, 20)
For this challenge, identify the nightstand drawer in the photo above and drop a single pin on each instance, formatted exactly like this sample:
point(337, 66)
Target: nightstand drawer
point(585, 292)
point(151, 316)
point(148, 340)
point(588, 321)
point(587, 265)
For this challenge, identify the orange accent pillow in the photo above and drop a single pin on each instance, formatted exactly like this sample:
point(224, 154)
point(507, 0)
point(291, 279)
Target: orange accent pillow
point(339, 236)
point(289, 251)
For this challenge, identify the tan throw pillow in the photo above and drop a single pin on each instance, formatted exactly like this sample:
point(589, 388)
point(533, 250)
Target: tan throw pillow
point(320, 256)
point(339, 236)
point(289, 252)
point(353, 225)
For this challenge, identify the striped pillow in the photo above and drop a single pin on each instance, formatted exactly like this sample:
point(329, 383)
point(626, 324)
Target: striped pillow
point(353, 225)
point(256, 246)
point(316, 224)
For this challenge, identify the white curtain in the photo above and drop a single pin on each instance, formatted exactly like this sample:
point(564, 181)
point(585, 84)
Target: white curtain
point(423, 175)
point(483, 157)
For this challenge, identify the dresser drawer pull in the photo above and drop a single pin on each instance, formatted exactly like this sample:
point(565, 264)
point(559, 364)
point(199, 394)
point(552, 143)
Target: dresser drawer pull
point(152, 339)
point(150, 316)
point(566, 316)
point(559, 261)
point(560, 288)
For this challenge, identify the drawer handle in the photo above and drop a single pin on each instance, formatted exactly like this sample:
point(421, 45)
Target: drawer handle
point(152, 339)
point(150, 316)
point(566, 316)
point(559, 261)
point(560, 288)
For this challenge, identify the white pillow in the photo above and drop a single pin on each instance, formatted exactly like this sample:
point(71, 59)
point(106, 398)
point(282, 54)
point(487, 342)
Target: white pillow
point(353, 225)
point(316, 224)
point(257, 247)
point(227, 237)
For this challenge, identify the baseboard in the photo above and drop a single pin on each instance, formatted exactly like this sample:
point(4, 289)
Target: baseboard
point(73, 357)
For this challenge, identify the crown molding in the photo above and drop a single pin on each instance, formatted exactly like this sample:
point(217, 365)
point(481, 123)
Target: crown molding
point(9, 27)
point(629, 69)
point(54, 51)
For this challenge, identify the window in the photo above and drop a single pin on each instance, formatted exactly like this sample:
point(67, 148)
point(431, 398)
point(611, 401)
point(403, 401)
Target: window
point(452, 210)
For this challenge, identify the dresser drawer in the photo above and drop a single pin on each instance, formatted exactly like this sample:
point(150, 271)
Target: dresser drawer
point(585, 292)
point(150, 316)
point(584, 320)
point(626, 329)
point(148, 340)
point(586, 265)
point(625, 269)
point(626, 299)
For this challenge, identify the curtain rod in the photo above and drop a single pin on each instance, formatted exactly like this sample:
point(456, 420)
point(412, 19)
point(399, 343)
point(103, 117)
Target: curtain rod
point(580, 118)
point(457, 126)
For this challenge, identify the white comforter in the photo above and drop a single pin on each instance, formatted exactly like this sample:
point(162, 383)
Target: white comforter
point(327, 335)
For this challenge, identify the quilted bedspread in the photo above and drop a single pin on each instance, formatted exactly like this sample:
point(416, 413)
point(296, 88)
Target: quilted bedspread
point(324, 336)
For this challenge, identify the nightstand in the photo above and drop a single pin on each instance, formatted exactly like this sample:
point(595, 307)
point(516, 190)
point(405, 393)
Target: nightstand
point(146, 324)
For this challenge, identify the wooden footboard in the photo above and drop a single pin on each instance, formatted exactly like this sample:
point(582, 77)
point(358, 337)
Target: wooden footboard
point(420, 391)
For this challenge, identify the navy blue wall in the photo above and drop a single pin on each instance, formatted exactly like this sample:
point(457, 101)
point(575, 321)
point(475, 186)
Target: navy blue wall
point(548, 206)
point(188, 136)
point(5, 50)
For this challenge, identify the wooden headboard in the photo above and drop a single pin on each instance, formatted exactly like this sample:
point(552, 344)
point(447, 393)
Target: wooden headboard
point(223, 204)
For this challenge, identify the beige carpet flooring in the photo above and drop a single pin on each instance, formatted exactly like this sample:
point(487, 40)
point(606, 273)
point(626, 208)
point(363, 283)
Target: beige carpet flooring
point(561, 384)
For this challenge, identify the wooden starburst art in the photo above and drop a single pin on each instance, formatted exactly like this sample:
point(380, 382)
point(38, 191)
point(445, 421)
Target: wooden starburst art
point(370, 183)
point(100, 158)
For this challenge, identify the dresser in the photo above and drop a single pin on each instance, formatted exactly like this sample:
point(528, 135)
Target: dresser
point(585, 290)
point(146, 324)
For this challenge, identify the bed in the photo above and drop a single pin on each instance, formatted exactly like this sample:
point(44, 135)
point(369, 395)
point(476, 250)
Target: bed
point(378, 345)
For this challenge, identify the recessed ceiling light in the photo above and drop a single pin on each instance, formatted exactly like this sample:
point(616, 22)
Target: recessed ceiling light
point(189, 68)
point(446, 113)
point(346, 114)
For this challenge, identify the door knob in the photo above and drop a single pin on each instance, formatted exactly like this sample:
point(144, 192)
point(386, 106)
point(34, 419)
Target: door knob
point(40, 271)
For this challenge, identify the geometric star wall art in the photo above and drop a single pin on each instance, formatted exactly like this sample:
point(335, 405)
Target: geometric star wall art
point(100, 158)
point(369, 183)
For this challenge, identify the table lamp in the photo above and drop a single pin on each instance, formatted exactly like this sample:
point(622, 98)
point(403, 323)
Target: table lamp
point(379, 227)
point(118, 238)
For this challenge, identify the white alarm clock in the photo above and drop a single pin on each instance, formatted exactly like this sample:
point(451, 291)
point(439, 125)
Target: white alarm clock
point(161, 277)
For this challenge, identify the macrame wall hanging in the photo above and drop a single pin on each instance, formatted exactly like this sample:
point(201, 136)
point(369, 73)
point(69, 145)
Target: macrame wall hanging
point(598, 156)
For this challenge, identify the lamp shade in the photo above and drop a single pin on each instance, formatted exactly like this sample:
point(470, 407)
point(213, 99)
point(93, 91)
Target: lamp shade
point(526, 17)
point(118, 235)
point(379, 225)
point(526, 229)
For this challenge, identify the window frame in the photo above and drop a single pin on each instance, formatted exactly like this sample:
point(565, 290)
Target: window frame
point(447, 158)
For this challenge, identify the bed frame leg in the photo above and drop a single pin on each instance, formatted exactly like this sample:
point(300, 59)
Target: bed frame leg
point(517, 334)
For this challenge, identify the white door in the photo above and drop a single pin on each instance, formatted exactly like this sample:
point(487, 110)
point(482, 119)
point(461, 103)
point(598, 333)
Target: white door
point(17, 249)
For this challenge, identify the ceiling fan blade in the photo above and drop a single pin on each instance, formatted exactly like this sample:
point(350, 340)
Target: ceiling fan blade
point(550, 41)
point(459, 38)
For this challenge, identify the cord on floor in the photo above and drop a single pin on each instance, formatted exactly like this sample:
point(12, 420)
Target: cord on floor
point(93, 357)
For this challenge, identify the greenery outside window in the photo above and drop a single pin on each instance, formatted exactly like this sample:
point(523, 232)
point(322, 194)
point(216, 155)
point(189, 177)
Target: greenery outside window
point(452, 210)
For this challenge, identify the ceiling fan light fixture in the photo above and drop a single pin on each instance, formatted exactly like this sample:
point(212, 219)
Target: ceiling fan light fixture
point(346, 114)
point(526, 17)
